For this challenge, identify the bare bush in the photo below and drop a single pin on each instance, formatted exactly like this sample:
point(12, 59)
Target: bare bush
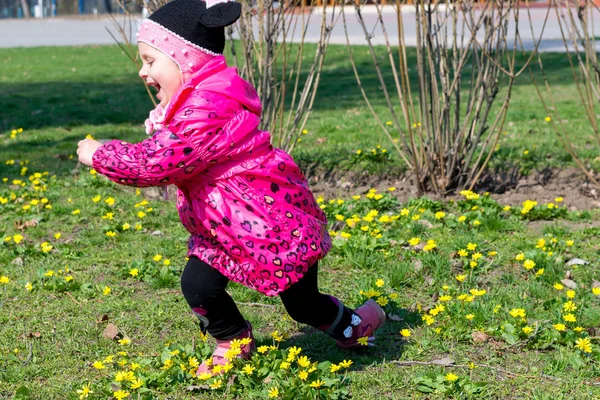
point(579, 38)
point(465, 72)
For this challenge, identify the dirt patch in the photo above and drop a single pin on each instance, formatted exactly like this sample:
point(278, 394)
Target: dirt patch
point(544, 187)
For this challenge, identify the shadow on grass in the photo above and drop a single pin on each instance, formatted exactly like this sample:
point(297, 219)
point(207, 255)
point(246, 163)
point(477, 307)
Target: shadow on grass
point(71, 104)
point(101, 97)
point(389, 345)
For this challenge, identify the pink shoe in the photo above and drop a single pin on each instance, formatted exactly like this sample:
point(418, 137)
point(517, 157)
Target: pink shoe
point(372, 318)
point(223, 346)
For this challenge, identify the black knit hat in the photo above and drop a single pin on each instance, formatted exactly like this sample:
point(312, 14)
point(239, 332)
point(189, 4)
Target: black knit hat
point(194, 22)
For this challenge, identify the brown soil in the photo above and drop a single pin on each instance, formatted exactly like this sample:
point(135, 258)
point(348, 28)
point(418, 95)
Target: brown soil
point(544, 187)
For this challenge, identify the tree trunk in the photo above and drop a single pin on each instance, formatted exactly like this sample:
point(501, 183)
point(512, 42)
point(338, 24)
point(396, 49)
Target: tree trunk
point(25, 8)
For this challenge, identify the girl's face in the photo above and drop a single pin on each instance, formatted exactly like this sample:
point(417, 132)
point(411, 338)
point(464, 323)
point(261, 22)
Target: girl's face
point(159, 72)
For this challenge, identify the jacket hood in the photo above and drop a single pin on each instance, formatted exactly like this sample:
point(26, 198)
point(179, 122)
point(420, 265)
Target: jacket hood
point(216, 77)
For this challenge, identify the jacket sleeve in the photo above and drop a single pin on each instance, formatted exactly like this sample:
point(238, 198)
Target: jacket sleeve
point(206, 132)
point(160, 160)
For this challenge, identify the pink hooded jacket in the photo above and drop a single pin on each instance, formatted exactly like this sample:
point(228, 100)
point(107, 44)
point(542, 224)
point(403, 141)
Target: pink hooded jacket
point(246, 205)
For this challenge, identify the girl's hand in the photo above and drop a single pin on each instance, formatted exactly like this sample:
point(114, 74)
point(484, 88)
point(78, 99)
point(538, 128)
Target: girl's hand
point(86, 149)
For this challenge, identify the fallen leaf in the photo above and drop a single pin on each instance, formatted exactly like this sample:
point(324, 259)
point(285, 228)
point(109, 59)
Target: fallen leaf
point(111, 331)
point(443, 361)
point(576, 261)
point(321, 140)
point(569, 283)
point(418, 265)
point(193, 388)
point(479, 337)
point(595, 283)
point(394, 317)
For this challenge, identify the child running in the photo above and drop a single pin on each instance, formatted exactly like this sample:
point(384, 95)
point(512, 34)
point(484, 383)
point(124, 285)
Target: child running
point(251, 216)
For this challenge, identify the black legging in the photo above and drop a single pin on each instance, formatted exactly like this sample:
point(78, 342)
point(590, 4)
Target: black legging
point(204, 289)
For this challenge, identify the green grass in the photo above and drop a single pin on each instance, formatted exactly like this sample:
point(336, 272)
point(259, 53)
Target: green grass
point(64, 92)
point(49, 338)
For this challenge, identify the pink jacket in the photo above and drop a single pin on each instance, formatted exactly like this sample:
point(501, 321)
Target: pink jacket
point(246, 205)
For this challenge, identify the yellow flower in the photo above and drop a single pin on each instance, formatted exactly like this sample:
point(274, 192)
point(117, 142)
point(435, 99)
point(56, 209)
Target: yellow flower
point(284, 365)
point(476, 256)
point(440, 215)
point(470, 317)
point(520, 257)
point(75, 212)
point(106, 291)
point(141, 214)
point(540, 243)
point(303, 361)
point(28, 286)
point(450, 377)
point(121, 394)
point(547, 119)
point(84, 392)
point(405, 333)
point(560, 327)
point(317, 384)
point(111, 233)
point(125, 226)
point(379, 282)
point(569, 306)
point(363, 341)
point(461, 278)
point(278, 337)
point(558, 286)
point(136, 383)
point(414, 241)
point(570, 294)
point(517, 312)
point(569, 243)
point(274, 392)
point(584, 344)
point(249, 369)
point(462, 253)
point(445, 298)
point(346, 363)
point(471, 246)
point(569, 318)
point(134, 272)
point(157, 258)
point(98, 365)
point(262, 349)
point(529, 264)
point(17, 238)
point(49, 273)
point(303, 375)
point(124, 341)
point(57, 235)
point(539, 272)
point(204, 376)
point(4, 279)
point(596, 291)
point(334, 368)
point(167, 262)
point(527, 330)
point(382, 301)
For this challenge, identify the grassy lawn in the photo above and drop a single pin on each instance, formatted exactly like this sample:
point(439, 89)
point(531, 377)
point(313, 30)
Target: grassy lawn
point(474, 286)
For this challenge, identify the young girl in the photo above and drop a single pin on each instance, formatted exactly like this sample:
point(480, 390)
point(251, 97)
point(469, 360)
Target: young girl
point(247, 206)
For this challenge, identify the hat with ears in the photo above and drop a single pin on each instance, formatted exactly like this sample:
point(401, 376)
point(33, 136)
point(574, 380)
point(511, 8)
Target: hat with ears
point(190, 32)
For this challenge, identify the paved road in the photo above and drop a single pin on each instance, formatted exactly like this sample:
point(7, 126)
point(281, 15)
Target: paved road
point(76, 31)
